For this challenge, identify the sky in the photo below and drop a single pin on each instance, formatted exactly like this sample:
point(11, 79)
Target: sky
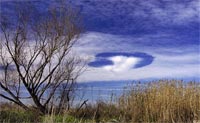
point(134, 40)
point(139, 39)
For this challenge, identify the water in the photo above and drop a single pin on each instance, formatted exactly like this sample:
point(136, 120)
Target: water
point(104, 91)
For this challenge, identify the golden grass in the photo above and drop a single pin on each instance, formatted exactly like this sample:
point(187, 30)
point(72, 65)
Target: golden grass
point(162, 101)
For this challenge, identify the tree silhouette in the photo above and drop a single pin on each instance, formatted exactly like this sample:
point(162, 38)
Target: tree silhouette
point(35, 54)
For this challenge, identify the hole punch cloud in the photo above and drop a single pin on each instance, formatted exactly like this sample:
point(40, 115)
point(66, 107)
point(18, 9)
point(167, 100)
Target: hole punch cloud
point(118, 62)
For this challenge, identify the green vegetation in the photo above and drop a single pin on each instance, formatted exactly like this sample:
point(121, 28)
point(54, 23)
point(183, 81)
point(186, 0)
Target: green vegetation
point(15, 115)
point(159, 101)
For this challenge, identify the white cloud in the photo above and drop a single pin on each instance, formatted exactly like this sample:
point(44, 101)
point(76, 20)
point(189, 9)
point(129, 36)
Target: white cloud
point(121, 63)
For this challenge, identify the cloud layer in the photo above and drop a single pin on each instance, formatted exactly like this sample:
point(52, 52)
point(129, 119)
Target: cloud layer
point(108, 64)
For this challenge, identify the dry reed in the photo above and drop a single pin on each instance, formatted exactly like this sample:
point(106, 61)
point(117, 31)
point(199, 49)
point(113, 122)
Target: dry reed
point(162, 101)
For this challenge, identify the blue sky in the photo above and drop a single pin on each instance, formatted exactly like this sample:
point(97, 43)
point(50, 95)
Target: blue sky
point(139, 39)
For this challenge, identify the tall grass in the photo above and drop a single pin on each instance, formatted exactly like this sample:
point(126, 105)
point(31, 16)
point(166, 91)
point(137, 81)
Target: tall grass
point(162, 101)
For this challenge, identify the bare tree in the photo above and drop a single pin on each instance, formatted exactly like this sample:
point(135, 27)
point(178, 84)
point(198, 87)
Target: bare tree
point(35, 55)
